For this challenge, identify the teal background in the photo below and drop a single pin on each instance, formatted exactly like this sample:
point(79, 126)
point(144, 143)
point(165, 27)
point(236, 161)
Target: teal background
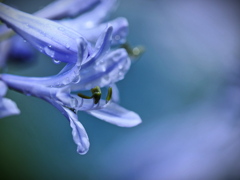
point(192, 50)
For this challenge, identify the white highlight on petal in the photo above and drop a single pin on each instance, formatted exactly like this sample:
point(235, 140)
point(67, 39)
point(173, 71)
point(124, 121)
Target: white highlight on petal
point(117, 115)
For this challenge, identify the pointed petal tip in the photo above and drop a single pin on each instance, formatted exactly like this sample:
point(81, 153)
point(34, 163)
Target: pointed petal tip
point(134, 120)
point(82, 151)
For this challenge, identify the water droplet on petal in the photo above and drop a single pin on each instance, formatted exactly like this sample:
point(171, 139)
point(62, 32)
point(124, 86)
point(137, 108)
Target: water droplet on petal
point(117, 37)
point(61, 29)
point(49, 51)
point(67, 46)
point(56, 61)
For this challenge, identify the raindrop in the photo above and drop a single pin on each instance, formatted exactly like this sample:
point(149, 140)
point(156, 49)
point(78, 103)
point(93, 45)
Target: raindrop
point(120, 66)
point(67, 46)
point(56, 61)
point(76, 79)
point(117, 37)
point(49, 51)
point(61, 29)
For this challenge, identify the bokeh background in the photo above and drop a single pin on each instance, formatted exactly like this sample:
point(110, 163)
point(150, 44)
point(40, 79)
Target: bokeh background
point(185, 87)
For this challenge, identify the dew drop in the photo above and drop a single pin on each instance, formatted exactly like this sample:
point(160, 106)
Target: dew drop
point(117, 37)
point(120, 66)
point(76, 79)
point(56, 61)
point(67, 46)
point(66, 81)
point(61, 29)
point(120, 75)
point(49, 51)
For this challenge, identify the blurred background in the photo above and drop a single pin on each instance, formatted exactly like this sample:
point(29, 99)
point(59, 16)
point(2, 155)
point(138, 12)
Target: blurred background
point(185, 87)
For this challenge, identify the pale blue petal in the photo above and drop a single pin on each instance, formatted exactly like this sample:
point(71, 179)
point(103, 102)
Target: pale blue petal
point(117, 115)
point(55, 40)
point(101, 47)
point(119, 34)
point(8, 108)
point(93, 17)
point(69, 75)
point(88, 104)
point(3, 89)
point(105, 71)
point(79, 134)
point(5, 47)
point(65, 8)
point(115, 93)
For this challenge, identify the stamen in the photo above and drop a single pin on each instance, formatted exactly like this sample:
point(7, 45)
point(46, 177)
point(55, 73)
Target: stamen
point(96, 95)
point(133, 52)
point(109, 95)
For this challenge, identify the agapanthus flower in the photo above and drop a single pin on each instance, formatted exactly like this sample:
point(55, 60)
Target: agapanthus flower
point(88, 68)
point(90, 25)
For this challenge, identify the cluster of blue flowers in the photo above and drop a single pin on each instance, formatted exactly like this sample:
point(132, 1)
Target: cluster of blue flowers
point(75, 32)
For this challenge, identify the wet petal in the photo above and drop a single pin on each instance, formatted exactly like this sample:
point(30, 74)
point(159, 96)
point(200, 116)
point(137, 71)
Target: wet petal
point(105, 71)
point(69, 75)
point(117, 115)
point(8, 108)
point(79, 134)
point(55, 40)
point(3, 89)
point(120, 31)
point(65, 8)
point(93, 17)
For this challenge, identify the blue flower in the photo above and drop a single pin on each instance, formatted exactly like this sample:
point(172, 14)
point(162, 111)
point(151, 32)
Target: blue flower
point(88, 68)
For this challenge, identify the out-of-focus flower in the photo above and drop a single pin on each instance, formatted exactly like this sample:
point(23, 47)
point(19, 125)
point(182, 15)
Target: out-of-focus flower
point(87, 68)
point(7, 106)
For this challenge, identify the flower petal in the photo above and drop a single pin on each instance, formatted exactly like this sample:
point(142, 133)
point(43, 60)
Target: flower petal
point(93, 17)
point(79, 134)
point(117, 115)
point(3, 89)
point(105, 71)
point(8, 108)
point(120, 31)
point(65, 8)
point(55, 40)
point(70, 73)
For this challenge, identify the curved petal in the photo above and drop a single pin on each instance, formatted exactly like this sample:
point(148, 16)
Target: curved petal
point(120, 31)
point(55, 40)
point(79, 134)
point(8, 108)
point(105, 71)
point(115, 93)
point(65, 8)
point(102, 46)
point(3, 89)
point(70, 73)
point(93, 17)
point(117, 115)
